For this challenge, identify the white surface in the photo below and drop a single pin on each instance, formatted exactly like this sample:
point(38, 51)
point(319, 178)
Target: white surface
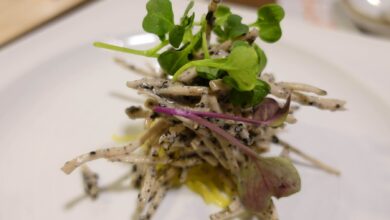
point(58, 99)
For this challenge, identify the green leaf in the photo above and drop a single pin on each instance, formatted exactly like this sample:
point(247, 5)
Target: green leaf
point(270, 32)
point(188, 36)
point(219, 32)
point(262, 58)
point(159, 18)
point(231, 82)
point(263, 178)
point(207, 72)
point(221, 15)
point(234, 28)
point(183, 33)
point(239, 43)
point(171, 60)
point(185, 15)
point(268, 21)
point(231, 28)
point(188, 21)
point(248, 98)
point(260, 91)
point(176, 36)
point(241, 65)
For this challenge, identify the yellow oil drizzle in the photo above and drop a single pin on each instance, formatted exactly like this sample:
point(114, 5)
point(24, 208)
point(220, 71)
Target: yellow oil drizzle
point(212, 187)
point(205, 180)
point(120, 139)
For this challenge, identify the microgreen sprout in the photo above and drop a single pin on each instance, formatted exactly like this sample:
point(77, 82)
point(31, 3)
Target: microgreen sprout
point(190, 46)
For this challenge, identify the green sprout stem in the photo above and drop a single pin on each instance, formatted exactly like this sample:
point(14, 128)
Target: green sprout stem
point(209, 63)
point(147, 53)
point(205, 46)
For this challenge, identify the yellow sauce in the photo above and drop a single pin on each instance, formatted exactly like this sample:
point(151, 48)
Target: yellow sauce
point(205, 180)
point(124, 138)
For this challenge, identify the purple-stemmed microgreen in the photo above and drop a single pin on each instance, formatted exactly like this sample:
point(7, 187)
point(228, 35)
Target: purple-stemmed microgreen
point(259, 178)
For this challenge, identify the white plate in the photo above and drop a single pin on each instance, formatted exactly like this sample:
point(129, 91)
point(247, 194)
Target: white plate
point(74, 102)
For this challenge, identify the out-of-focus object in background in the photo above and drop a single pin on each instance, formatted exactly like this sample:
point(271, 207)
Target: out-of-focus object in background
point(17, 17)
point(370, 15)
point(256, 3)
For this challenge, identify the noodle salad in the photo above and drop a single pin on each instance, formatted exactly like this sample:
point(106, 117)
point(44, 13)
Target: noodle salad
point(210, 115)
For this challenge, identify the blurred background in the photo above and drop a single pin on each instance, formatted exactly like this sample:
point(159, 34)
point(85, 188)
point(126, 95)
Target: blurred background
point(19, 17)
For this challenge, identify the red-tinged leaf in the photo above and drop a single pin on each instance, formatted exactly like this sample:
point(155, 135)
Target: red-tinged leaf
point(270, 111)
point(264, 178)
point(267, 108)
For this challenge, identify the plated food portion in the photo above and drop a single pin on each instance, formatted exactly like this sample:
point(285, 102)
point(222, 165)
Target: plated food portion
point(210, 115)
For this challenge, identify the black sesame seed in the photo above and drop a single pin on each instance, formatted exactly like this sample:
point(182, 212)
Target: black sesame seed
point(164, 84)
point(138, 181)
point(151, 198)
point(275, 139)
point(88, 186)
point(146, 86)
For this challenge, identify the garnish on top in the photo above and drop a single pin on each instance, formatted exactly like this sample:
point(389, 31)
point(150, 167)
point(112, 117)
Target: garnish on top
point(187, 44)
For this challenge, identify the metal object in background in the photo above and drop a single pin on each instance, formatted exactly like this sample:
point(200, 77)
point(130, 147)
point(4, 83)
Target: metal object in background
point(370, 15)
